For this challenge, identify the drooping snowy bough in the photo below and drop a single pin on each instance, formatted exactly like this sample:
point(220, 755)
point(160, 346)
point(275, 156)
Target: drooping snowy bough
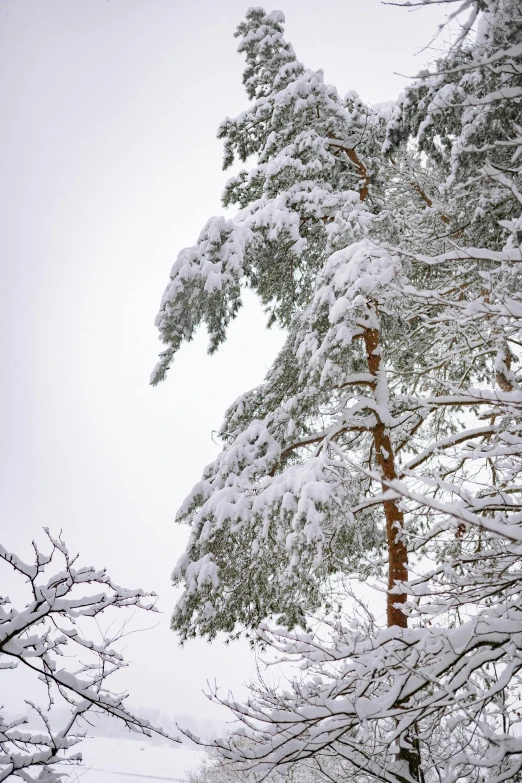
point(53, 639)
point(386, 440)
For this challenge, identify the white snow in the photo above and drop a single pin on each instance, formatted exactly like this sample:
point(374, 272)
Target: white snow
point(116, 760)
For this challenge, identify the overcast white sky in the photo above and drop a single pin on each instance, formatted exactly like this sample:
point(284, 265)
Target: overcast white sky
point(110, 165)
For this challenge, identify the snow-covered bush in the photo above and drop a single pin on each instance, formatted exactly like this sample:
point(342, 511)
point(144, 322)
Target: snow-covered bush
point(215, 769)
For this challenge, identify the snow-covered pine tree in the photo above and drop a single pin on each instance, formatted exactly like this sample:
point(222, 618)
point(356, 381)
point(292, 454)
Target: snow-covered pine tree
point(317, 186)
point(389, 422)
point(449, 686)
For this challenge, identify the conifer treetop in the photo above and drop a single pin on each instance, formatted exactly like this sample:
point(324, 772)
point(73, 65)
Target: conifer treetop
point(316, 156)
point(266, 50)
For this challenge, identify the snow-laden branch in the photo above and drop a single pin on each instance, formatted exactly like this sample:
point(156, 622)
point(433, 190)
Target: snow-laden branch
point(46, 637)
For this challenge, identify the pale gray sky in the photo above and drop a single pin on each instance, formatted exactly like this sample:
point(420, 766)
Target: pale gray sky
point(110, 165)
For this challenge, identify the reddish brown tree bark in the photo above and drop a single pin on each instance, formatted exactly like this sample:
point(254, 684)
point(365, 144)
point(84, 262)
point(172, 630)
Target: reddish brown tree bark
point(397, 550)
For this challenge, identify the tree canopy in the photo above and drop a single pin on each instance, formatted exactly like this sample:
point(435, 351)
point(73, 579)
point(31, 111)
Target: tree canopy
point(386, 440)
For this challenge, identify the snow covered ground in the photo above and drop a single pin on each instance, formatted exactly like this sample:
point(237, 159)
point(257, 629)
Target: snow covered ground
point(115, 760)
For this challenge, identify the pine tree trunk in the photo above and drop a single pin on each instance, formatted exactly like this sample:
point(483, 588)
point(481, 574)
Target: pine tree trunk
point(397, 549)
